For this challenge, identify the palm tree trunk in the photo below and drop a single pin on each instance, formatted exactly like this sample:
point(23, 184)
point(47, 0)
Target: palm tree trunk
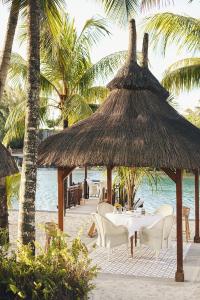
point(5, 60)
point(26, 226)
point(4, 209)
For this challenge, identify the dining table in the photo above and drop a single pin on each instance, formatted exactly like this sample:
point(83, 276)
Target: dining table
point(133, 221)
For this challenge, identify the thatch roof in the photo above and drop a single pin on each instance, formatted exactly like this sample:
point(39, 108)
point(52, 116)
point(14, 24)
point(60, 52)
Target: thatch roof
point(7, 163)
point(135, 126)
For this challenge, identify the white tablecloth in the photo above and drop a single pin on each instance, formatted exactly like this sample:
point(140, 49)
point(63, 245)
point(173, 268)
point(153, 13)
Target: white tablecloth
point(133, 222)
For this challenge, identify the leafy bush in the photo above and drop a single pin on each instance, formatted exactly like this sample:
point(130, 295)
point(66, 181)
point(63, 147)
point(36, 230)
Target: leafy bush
point(63, 272)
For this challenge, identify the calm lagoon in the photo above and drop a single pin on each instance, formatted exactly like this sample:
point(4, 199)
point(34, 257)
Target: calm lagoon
point(46, 196)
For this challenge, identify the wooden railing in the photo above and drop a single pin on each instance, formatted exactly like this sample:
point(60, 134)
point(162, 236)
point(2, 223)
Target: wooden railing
point(73, 195)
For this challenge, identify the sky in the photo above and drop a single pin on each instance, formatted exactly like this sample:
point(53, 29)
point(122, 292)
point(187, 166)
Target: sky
point(81, 10)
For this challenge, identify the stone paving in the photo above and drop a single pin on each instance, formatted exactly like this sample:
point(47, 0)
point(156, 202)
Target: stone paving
point(113, 286)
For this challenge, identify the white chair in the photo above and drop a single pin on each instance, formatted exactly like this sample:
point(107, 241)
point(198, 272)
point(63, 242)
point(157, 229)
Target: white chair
point(164, 210)
point(158, 236)
point(103, 208)
point(93, 190)
point(110, 235)
point(101, 185)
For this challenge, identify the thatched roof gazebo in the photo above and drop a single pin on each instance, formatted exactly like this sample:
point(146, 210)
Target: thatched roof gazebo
point(7, 163)
point(7, 167)
point(135, 126)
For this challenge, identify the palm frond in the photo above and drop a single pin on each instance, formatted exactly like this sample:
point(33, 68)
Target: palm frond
point(93, 30)
point(76, 109)
point(168, 28)
point(148, 4)
point(182, 75)
point(15, 124)
point(12, 188)
point(104, 69)
point(120, 11)
point(95, 94)
point(18, 74)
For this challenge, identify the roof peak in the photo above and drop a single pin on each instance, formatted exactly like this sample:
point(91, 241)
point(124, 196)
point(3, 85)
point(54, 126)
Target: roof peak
point(133, 76)
point(132, 45)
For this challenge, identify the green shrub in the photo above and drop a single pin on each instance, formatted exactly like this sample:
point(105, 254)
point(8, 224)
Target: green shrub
point(63, 272)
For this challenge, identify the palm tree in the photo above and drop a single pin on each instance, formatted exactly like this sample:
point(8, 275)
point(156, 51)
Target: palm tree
point(68, 76)
point(26, 223)
point(121, 11)
point(183, 31)
point(5, 60)
point(118, 10)
point(49, 13)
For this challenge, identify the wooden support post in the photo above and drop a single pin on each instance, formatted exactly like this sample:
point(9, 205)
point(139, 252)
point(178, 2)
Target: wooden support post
point(70, 179)
point(196, 237)
point(85, 185)
point(62, 173)
point(179, 273)
point(109, 184)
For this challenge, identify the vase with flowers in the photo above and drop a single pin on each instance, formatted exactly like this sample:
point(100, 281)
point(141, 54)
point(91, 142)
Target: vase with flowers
point(117, 208)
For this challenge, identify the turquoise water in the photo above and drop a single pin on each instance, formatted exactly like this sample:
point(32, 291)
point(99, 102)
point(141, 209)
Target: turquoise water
point(46, 196)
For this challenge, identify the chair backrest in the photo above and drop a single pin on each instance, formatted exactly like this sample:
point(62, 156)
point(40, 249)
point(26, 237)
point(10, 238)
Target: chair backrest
point(157, 229)
point(99, 225)
point(164, 210)
point(168, 224)
point(104, 227)
point(104, 208)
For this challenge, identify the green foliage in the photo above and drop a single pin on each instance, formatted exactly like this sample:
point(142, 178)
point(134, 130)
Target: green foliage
point(120, 11)
point(168, 28)
point(182, 75)
point(132, 178)
point(15, 121)
point(68, 76)
point(193, 116)
point(12, 188)
point(64, 272)
point(183, 31)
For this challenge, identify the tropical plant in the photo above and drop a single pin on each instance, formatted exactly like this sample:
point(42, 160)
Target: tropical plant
point(67, 74)
point(12, 188)
point(48, 14)
point(64, 272)
point(14, 124)
point(193, 115)
point(132, 178)
point(184, 32)
point(26, 223)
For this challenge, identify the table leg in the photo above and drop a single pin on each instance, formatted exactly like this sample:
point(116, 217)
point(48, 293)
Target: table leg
point(135, 238)
point(131, 240)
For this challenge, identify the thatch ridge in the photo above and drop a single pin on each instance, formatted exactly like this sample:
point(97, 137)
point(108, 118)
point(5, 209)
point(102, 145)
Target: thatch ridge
point(7, 163)
point(135, 126)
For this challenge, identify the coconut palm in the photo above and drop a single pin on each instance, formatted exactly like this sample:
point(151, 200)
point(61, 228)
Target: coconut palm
point(26, 221)
point(68, 76)
point(48, 14)
point(183, 31)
